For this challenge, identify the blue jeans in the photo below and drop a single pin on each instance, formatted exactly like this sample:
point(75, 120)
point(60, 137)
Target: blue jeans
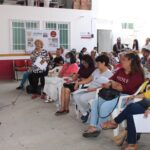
point(127, 114)
point(25, 78)
point(100, 110)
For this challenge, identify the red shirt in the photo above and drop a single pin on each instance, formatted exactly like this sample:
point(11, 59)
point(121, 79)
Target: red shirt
point(129, 82)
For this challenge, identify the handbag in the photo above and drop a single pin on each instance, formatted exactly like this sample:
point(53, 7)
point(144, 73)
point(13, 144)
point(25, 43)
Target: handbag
point(108, 95)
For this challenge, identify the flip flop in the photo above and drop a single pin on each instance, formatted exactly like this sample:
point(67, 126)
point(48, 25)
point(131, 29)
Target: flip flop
point(108, 125)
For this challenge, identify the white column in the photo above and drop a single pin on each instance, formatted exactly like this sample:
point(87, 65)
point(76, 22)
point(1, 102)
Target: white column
point(46, 3)
point(30, 2)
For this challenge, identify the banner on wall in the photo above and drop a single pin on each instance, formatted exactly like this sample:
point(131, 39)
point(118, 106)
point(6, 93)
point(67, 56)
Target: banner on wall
point(50, 39)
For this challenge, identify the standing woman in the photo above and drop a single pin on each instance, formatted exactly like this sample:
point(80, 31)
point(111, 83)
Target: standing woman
point(135, 45)
point(37, 73)
point(82, 53)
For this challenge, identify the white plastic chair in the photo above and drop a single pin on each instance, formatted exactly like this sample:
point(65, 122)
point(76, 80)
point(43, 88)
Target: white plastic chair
point(77, 112)
point(55, 71)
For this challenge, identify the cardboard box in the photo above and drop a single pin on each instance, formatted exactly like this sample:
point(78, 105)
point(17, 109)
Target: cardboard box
point(85, 4)
point(76, 4)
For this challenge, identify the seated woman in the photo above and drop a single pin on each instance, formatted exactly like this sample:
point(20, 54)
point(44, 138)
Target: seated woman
point(127, 114)
point(38, 73)
point(85, 71)
point(98, 77)
point(69, 68)
point(126, 80)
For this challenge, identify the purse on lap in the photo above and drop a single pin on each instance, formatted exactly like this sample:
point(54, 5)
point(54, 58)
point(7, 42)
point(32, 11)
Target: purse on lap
point(108, 95)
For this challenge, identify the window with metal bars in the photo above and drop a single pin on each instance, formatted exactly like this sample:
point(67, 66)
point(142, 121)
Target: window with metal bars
point(19, 32)
point(127, 25)
point(64, 32)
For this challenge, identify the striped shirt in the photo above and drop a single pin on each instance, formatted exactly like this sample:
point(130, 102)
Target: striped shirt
point(35, 54)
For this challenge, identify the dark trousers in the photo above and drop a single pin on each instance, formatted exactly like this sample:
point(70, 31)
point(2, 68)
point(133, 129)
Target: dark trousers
point(127, 114)
point(34, 80)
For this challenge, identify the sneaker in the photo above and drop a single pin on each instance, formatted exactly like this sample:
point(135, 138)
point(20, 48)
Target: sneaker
point(19, 88)
point(47, 101)
point(85, 118)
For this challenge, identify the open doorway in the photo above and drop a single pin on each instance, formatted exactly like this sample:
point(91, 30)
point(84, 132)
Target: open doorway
point(104, 40)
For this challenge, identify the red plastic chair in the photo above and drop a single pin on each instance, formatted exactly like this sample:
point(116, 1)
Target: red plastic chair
point(20, 66)
point(29, 63)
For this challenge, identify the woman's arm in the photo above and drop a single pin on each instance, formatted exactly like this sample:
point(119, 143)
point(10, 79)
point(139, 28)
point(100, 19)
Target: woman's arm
point(130, 98)
point(117, 86)
point(85, 81)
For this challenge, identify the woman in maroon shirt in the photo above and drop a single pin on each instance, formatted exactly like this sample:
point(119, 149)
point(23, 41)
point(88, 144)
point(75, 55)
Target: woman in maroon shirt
point(126, 80)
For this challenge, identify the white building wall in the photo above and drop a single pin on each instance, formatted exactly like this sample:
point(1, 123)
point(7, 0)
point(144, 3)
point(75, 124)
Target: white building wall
point(80, 22)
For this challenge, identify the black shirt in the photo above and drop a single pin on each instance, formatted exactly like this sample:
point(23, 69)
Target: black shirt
point(58, 60)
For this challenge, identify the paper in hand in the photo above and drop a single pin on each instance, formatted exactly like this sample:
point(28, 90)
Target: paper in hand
point(42, 66)
point(142, 124)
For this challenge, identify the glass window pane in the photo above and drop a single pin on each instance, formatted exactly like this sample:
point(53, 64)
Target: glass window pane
point(22, 36)
point(14, 35)
point(14, 24)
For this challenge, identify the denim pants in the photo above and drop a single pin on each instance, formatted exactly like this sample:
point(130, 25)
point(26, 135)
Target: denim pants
point(100, 110)
point(127, 114)
point(25, 78)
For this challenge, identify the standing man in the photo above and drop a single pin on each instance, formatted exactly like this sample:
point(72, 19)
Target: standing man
point(118, 47)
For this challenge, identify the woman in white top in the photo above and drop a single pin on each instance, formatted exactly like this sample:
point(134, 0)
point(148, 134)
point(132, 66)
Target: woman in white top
point(98, 77)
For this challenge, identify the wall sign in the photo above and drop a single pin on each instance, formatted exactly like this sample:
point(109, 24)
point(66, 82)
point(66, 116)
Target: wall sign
point(50, 39)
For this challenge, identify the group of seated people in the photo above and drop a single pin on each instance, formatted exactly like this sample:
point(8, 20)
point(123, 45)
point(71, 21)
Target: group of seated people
point(79, 82)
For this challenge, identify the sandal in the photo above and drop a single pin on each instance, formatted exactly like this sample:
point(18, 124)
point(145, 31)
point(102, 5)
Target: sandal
point(120, 138)
point(61, 112)
point(131, 147)
point(108, 125)
point(88, 134)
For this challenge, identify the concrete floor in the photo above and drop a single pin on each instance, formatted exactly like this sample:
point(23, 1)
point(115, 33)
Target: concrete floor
point(32, 125)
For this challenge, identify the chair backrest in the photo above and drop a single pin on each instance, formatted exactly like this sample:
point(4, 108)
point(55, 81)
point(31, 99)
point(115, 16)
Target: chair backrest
point(29, 63)
point(141, 88)
point(20, 63)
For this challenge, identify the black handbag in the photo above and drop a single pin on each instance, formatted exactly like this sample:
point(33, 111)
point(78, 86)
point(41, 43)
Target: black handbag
point(108, 95)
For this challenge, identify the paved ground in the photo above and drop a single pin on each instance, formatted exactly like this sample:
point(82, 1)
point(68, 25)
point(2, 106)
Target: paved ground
point(32, 125)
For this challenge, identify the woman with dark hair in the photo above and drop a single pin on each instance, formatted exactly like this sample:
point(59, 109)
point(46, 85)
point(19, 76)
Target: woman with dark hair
point(84, 72)
point(95, 81)
point(126, 80)
point(70, 67)
point(135, 45)
point(82, 53)
point(68, 70)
